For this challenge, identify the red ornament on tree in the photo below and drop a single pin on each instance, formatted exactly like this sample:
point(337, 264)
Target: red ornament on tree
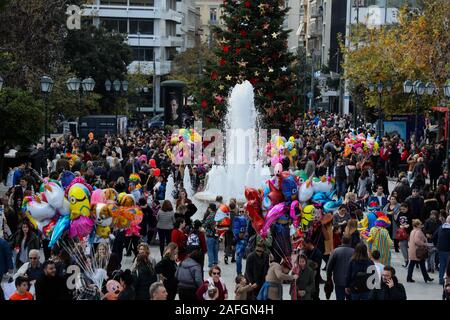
point(238, 50)
point(243, 33)
point(247, 45)
point(214, 75)
point(269, 95)
point(226, 49)
point(222, 62)
point(247, 4)
point(254, 81)
point(204, 104)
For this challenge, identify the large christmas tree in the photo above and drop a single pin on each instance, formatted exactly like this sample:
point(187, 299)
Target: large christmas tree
point(252, 46)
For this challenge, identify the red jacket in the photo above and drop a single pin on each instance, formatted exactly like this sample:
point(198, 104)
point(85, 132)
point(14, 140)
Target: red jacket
point(180, 238)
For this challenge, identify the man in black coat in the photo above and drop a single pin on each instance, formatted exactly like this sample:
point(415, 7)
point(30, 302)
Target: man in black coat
point(51, 286)
point(416, 205)
point(256, 267)
point(403, 190)
point(390, 288)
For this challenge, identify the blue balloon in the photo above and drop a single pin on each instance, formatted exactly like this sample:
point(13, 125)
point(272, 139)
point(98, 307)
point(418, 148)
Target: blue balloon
point(66, 178)
point(61, 226)
point(332, 205)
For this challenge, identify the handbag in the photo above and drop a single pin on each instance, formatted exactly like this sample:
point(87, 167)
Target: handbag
point(421, 252)
point(401, 234)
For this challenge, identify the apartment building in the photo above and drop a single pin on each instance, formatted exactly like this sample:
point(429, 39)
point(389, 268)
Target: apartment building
point(156, 30)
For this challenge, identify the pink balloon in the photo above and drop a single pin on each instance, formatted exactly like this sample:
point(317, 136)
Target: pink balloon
point(81, 227)
point(275, 159)
point(294, 204)
point(97, 197)
point(276, 212)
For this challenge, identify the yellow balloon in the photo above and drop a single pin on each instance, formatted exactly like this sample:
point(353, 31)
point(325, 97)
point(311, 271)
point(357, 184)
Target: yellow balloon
point(291, 139)
point(293, 152)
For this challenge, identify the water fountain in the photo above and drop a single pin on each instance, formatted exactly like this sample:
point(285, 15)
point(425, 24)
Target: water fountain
point(242, 167)
point(187, 182)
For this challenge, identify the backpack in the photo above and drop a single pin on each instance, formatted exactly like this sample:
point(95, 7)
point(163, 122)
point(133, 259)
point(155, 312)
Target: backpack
point(193, 240)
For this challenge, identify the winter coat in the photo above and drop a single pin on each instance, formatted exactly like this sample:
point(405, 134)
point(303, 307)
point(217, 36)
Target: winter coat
point(166, 219)
point(256, 268)
point(397, 292)
point(168, 268)
point(276, 276)
point(144, 276)
point(189, 274)
point(442, 238)
point(338, 264)
point(305, 282)
point(416, 238)
point(356, 267)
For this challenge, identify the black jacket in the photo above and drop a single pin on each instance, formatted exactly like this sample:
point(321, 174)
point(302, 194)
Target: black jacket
point(127, 294)
point(397, 292)
point(144, 276)
point(256, 268)
point(168, 268)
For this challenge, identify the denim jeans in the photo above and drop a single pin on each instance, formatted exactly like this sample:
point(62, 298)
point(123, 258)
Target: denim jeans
point(340, 293)
point(443, 258)
point(239, 257)
point(213, 251)
point(360, 296)
point(341, 188)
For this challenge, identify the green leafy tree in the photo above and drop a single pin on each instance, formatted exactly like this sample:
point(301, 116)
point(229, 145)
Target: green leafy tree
point(252, 46)
point(21, 121)
point(101, 55)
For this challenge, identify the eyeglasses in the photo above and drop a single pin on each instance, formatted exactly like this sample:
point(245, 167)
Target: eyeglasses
point(216, 273)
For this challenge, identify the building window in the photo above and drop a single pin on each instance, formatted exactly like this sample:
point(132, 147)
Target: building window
point(114, 2)
point(114, 25)
point(142, 3)
point(171, 28)
point(142, 53)
point(170, 53)
point(141, 26)
point(171, 4)
point(213, 14)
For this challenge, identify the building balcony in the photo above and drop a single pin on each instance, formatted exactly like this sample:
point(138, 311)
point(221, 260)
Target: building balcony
point(148, 67)
point(154, 41)
point(112, 11)
point(315, 32)
point(316, 12)
point(213, 22)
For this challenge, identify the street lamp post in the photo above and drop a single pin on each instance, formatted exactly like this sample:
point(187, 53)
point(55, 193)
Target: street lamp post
point(447, 94)
point(418, 88)
point(46, 87)
point(116, 86)
point(1, 83)
point(380, 87)
point(74, 85)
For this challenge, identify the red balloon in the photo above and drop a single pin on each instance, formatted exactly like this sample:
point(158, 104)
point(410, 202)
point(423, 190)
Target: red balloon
point(254, 212)
point(156, 172)
point(152, 163)
point(275, 195)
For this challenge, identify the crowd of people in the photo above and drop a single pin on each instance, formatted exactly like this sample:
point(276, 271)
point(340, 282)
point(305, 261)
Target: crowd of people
point(411, 218)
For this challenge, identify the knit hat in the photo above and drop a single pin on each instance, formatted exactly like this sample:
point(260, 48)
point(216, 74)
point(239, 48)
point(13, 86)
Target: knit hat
point(383, 221)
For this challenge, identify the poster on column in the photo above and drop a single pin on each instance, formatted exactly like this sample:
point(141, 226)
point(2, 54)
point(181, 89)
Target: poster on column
point(173, 106)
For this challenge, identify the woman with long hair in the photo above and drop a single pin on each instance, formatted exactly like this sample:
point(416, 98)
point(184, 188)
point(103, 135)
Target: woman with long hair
point(351, 231)
point(357, 274)
point(102, 255)
point(24, 240)
point(304, 285)
point(392, 210)
point(143, 276)
point(417, 244)
point(167, 268)
point(166, 219)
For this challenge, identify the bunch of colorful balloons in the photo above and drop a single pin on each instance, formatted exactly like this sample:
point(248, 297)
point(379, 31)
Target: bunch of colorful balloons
point(78, 211)
point(280, 147)
point(361, 145)
point(182, 142)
